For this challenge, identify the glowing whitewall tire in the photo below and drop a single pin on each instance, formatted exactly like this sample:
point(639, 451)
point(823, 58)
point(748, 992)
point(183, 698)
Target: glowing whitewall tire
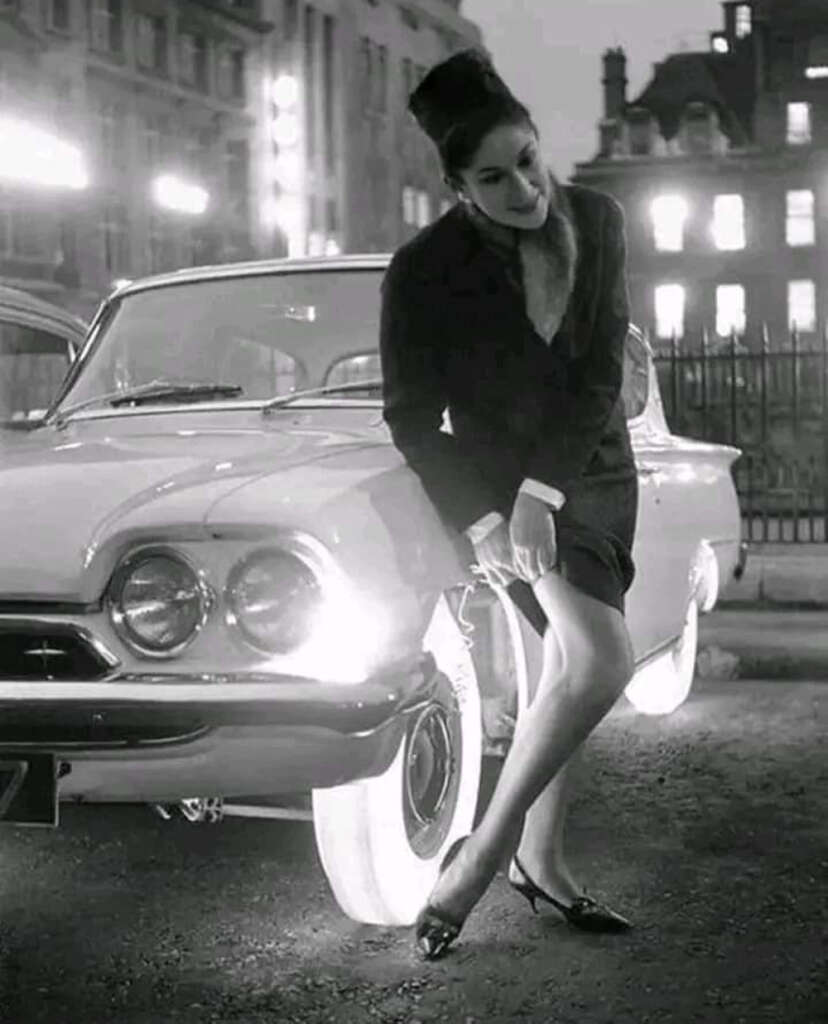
point(381, 840)
point(663, 684)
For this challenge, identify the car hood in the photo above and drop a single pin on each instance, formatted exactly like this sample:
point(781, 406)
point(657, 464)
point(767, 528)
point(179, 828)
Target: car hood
point(67, 496)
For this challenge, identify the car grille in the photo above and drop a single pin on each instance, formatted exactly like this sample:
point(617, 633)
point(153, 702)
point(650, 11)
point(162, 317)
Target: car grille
point(55, 653)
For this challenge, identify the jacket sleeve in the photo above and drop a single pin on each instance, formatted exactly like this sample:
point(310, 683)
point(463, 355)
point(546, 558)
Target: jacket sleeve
point(415, 399)
point(574, 428)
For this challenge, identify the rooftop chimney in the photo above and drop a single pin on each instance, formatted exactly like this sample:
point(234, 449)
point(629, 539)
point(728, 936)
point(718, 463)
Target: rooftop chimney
point(615, 82)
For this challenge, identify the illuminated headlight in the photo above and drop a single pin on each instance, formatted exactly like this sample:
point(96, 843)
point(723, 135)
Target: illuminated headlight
point(274, 597)
point(294, 604)
point(157, 602)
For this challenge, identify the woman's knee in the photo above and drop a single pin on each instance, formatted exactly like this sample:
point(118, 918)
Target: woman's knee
point(602, 663)
point(588, 645)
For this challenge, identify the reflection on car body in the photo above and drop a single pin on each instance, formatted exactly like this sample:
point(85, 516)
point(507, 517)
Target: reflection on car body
point(245, 595)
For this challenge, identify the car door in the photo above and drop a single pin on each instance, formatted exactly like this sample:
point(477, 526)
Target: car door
point(662, 551)
point(34, 360)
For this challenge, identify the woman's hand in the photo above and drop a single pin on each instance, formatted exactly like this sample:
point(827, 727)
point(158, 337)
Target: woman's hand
point(494, 555)
point(533, 537)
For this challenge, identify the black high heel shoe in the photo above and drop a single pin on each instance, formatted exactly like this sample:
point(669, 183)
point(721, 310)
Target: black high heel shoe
point(434, 929)
point(585, 913)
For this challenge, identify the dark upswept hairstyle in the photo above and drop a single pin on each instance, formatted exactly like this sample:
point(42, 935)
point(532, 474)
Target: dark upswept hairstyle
point(458, 103)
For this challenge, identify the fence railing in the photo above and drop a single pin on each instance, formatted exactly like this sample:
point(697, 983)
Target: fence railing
point(770, 401)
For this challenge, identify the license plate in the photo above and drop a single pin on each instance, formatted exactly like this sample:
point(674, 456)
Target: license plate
point(28, 789)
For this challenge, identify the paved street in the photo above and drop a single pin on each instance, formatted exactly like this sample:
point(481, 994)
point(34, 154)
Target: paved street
point(708, 828)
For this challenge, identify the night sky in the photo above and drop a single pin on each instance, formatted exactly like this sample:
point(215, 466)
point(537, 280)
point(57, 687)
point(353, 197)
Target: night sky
point(549, 52)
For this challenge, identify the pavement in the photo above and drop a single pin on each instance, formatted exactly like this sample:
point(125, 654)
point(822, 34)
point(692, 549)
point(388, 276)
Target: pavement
point(773, 622)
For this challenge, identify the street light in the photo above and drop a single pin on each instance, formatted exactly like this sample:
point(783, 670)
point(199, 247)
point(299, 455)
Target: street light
point(175, 194)
point(287, 171)
point(32, 156)
point(285, 129)
point(284, 91)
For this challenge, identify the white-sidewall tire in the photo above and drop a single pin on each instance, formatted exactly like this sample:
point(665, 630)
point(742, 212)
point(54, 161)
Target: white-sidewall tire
point(380, 859)
point(663, 684)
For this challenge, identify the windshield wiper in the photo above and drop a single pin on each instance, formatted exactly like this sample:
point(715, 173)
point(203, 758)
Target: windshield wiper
point(375, 384)
point(176, 392)
point(155, 389)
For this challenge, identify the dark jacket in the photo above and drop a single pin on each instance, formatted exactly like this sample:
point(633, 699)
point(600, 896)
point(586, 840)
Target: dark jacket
point(455, 335)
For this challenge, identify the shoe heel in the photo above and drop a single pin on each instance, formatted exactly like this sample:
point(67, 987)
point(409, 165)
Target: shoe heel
point(530, 899)
point(526, 893)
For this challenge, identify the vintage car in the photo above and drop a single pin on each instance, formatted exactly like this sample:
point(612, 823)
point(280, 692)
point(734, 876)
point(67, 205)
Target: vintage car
point(38, 342)
point(219, 581)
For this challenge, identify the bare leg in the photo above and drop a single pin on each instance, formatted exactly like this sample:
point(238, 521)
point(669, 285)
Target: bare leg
point(541, 849)
point(587, 663)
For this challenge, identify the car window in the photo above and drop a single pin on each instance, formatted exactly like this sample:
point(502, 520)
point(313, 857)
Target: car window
point(33, 363)
point(264, 369)
point(636, 375)
point(362, 366)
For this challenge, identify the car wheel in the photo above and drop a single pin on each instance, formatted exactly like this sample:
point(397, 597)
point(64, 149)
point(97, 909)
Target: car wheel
point(664, 683)
point(381, 840)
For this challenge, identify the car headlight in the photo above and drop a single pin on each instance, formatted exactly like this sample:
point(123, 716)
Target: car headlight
point(294, 604)
point(274, 597)
point(157, 602)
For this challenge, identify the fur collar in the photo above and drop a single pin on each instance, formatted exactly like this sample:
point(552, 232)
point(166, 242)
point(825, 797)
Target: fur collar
point(548, 258)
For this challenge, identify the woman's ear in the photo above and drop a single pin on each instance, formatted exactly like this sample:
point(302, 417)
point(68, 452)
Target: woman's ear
point(454, 184)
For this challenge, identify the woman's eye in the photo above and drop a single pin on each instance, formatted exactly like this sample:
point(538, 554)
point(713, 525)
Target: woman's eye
point(492, 180)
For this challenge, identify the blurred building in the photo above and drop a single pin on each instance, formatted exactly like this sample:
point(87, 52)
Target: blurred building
point(368, 178)
point(203, 131)
point(721, 164)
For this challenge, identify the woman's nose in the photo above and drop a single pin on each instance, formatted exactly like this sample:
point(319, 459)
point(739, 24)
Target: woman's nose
point(522, 188)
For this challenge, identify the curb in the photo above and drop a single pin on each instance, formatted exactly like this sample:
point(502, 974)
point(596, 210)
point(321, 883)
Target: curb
point(793, 575)
point(767, 642)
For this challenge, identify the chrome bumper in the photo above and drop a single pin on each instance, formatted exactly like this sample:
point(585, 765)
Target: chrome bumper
point(176, 706)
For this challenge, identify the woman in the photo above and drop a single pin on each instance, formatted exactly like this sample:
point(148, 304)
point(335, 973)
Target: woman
point(511, 312)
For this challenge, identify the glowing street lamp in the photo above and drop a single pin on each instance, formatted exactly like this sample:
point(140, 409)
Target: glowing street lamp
point(32, 156)
point(285, 91)
point(285, 129)
point(175, 194)
point(287, 171)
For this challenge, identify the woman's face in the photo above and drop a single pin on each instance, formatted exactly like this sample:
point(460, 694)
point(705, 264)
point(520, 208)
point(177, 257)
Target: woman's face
point(507, 179)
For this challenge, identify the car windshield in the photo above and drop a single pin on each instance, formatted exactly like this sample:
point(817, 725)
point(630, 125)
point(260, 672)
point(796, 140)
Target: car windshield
point(267, 334)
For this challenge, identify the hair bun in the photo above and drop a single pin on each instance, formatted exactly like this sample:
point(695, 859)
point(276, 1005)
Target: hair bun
point(457, 90)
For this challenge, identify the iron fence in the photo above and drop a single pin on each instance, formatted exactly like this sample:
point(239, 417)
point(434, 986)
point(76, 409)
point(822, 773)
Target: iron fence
point(772, 403)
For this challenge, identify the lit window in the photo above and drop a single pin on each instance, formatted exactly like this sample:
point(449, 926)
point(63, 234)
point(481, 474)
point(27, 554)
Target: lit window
point(729, 222)
point(818, 71)
point(802, 305)
point(799, 217)
point(669, 214)
point(409, 205)
point(669, 310)
point(720, 44)
point(730, 310)
point(799, 124)
point(744, 21)
point(423, 209)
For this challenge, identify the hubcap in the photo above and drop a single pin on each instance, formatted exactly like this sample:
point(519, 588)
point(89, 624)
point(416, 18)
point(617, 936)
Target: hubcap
point(431, 777)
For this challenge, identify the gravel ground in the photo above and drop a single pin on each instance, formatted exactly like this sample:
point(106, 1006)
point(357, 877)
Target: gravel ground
point(708, 828)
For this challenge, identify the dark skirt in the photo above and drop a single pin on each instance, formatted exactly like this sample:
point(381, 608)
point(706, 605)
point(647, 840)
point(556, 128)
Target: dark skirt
point(595, 532)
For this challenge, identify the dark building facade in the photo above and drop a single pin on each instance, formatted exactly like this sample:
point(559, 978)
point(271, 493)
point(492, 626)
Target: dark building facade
point(721, 164)
point(143, 89)
point(210, 131)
